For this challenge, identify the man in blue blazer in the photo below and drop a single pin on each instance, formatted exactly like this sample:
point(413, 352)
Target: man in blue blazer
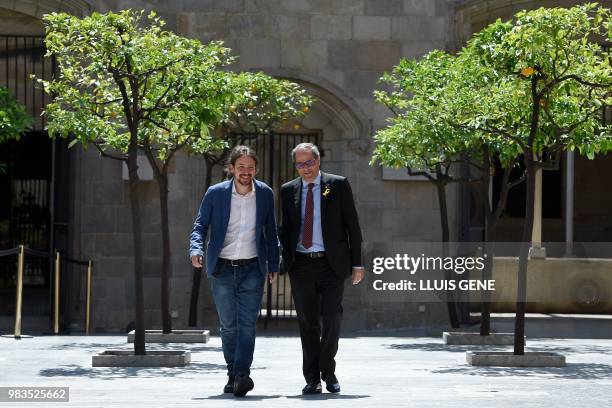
point(241, 251)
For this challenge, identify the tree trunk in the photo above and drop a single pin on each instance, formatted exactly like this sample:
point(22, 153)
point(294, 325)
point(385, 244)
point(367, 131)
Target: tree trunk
point(492, 215)
point(139, 339)
point(487, 273)
point(519, 323)
point(197, 272)
point(165, 272)
point(450, 299)
point(489, 239)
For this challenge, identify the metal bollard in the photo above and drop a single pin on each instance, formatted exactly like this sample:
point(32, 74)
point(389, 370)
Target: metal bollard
point(20, 265)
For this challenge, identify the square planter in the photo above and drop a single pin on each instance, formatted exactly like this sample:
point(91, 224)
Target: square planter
point(475, 339)
point(126, 358)
point(509, 359)
point(177, 336)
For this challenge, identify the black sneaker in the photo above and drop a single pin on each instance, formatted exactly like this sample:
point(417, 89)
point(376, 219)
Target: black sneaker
point(331, 384)
point(229, 387)
point(242, 385)
point(312, 387)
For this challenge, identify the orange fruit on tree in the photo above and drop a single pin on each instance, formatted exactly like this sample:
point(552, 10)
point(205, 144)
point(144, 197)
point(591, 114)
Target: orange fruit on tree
point(527, 71)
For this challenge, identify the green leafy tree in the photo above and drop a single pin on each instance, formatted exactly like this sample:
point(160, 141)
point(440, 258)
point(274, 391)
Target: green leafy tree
point(125, 85)
point(468, 81)
point(522, 90)
point(259, 104)
point(174, 129)
point(416, 140)
point(544, 79)
point(424, 138)
point(13, 119)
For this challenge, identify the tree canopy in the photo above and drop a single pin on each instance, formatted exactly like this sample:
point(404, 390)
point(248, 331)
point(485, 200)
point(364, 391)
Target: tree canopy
point(526, 89)
point(536, 83)
point(121, 75)
point(14, 119)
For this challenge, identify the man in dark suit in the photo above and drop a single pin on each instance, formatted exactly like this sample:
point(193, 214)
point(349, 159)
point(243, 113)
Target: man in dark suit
point(321, 241)
point(241, 252)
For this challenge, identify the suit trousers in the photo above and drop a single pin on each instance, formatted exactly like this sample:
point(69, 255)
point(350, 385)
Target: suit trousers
point(317, 294)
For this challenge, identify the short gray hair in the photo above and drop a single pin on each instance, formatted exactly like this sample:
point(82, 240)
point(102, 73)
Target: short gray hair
point(306, 146)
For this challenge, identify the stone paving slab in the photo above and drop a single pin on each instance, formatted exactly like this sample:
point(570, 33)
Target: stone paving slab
point(373, 371)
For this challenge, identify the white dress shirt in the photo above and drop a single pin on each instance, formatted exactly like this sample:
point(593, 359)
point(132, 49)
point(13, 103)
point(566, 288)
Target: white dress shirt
point(239, 240)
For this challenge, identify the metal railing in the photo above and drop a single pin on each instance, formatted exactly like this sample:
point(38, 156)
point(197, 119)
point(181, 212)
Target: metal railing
point(22, 56)
point(21, 251)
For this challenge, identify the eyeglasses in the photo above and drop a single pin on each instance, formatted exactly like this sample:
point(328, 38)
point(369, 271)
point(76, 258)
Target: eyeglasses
point(305, 164)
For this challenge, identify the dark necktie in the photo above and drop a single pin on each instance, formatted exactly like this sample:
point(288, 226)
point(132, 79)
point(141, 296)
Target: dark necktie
point(308, 218)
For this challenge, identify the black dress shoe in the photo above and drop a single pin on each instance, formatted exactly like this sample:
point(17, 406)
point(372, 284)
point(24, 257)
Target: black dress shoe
point(313, 387)
point(229, 387)
point(242, 385)
point(331, 384)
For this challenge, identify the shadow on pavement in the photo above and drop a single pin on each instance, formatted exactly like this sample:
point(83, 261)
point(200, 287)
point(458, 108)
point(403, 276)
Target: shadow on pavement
point(326, 396)
point(249, 397)
point(150, 346)
point(531, 346)
point(112, 373)
point(579, 349)
point(441, 347)
point(573, 371)
point(85, 346)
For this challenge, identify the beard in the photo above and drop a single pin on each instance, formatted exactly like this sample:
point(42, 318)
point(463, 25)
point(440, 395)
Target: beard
point(245, 180)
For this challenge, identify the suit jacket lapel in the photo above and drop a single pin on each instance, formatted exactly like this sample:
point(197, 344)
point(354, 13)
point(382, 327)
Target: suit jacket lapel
point(325, 185)
point(227, 206)
point(297, 198)
point(258, 211)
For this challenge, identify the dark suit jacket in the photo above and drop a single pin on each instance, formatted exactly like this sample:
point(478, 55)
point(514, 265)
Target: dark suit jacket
point(339, 223)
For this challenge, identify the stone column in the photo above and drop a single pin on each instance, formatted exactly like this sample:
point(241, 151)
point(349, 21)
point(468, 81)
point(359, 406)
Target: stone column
point(537, 251)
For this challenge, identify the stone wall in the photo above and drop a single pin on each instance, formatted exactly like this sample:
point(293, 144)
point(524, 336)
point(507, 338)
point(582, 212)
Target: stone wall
point(337, 49)
point(474, 15)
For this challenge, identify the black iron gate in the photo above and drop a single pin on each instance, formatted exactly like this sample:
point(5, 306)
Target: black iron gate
point(34, 206)
point(276, 168)
point(22, 56)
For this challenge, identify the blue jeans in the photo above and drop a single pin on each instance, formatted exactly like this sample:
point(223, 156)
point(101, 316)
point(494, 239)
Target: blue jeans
point(238, 291)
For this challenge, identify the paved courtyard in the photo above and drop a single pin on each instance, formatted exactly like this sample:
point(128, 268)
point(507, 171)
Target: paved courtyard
point(374, 371)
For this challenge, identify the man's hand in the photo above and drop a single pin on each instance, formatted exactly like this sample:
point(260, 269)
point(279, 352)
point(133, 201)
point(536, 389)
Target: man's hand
point(196, 261)
point(272, 276)
point(358, 274)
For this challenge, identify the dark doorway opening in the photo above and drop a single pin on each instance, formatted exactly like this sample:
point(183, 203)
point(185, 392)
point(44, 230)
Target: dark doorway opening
point(25, 218)
point(35, 190)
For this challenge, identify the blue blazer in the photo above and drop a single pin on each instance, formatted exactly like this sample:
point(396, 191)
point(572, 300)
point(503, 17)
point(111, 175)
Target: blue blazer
point(214, 214)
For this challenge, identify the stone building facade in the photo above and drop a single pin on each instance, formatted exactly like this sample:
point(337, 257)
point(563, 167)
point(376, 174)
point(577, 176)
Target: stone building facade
point(337, 50)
